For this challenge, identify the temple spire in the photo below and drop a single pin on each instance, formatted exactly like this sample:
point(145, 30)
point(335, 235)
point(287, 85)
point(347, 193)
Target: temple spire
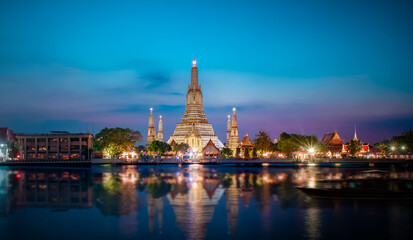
point(355, 132)
point(228, 131)
point(151, 129)
point(160, 129)
point(194, 75)
point(234, 139)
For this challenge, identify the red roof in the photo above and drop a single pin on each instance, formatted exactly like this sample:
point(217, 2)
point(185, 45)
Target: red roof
point(246, 142)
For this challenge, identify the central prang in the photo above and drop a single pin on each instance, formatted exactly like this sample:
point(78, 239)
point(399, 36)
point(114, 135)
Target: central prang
point(194, 128)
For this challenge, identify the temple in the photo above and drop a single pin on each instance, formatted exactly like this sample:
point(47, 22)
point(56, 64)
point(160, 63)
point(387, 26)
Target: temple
point(233, 137)
point(334, 144)
point(152, 136)
point(365, 146)
point(194, 128)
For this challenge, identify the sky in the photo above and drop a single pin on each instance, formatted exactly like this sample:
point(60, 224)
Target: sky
point(299, 66)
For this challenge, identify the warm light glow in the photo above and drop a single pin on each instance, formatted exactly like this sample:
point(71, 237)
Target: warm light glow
point(194, 62)
point(160, 117)
point(393, 148)
point(229, 117)
point(311, 150)
point(403, 147)
point(151, 109)
point(265, 164)
point(234, 109)
point(311, 183)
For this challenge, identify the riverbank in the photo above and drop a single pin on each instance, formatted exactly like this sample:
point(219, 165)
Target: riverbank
point(274, 162)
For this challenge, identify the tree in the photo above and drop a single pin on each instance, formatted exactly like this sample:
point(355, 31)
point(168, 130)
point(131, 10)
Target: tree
point(13, 149)
point(181, 147)
point(114, 141)
point(262, 142)
point(160, 147)
point(354, 147)
point(405, 140)
point(383, 146)
point(226, 152)
point(290, 143)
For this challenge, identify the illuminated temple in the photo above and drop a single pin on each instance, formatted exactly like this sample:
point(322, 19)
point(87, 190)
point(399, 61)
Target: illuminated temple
point(194, 128)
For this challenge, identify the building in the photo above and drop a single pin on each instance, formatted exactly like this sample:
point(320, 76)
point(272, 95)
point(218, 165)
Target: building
point(246, 148)
point(58, 145)
point(334, 144)
point(234, 139)
point(152, 136)
point(364, 150)
point(210, 149)
point(194, 124)
point(228, 131)
point(151, 129)
point(6, 135)
point(160, 129)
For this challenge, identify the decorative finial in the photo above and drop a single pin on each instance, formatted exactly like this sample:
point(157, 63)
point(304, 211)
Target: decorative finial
point(194, 62)
point(151, 109)
point(160, 117)
point(229, 117)
point(234, 110)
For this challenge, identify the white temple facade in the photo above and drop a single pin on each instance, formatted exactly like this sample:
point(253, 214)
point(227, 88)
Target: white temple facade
point(194, 124)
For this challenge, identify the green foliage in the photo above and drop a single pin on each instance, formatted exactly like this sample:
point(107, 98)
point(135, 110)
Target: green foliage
point(354, 147)
point(181, 147)
point(383, 146)
point(160, 147)
point(290, 143)
point(262, 142)
point(405, 140)
point(226, 179)
point(13, 149)
point(116, 140)
point(226, 152)
point(114, 198)
point(158, 188)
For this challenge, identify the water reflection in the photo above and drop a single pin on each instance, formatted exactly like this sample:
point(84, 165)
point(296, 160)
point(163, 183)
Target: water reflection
point(158, 201)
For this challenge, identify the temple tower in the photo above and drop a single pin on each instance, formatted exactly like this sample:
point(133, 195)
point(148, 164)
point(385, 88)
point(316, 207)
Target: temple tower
point(194, 124)
point(151, 129)
point(355, 132)
point(234, 139)
point(228, 131)
point(194, 110)
point(160, 129)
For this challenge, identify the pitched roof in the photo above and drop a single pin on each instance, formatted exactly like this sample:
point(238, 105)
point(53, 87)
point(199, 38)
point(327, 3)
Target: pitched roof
point(332, 139)
point(246, 142)
point(210, 145)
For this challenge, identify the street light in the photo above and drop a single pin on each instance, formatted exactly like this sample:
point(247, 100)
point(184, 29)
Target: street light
point(393, 148)
point(403, 148)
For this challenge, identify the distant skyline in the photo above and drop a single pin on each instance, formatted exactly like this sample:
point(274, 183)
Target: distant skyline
point(305, 67)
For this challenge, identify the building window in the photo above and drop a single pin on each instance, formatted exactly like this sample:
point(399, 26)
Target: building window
point(74, 147)
point(198, 143)
point(42, 148)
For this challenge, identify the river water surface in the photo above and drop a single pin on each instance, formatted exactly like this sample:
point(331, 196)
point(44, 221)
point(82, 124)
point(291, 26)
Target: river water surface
point(191, 202)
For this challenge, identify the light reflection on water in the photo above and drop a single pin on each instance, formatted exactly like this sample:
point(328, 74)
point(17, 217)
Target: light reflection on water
point(188, 202)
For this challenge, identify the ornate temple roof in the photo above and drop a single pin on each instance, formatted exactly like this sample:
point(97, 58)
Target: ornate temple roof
point(246, 142)
point(332, 139)
point(210, 147)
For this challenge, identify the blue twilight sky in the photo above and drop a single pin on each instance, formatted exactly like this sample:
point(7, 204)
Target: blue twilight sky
point(300, 66)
